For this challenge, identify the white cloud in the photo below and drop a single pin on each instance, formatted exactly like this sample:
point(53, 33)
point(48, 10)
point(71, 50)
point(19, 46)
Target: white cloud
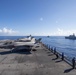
point(61, 32)
point(8, 31)
point(41, 19)
point(0, 30)
point(56, 21)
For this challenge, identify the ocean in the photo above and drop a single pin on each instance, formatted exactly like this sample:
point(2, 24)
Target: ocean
point(67, 46)
point(62, 45)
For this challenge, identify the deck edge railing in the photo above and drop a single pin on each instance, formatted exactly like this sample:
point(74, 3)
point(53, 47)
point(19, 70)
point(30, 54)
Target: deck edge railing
point(62, 56)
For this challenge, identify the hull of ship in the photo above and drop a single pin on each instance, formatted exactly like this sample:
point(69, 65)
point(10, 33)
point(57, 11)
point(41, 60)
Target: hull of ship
point(73, 38)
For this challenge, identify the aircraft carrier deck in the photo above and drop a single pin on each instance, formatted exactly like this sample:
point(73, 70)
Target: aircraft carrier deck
point(39, 62)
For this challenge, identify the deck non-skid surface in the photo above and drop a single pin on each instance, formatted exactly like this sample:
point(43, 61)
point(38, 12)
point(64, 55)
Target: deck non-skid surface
point(39, 62)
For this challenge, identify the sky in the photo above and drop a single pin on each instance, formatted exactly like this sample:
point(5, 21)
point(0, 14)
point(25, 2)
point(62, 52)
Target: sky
point(37, 17)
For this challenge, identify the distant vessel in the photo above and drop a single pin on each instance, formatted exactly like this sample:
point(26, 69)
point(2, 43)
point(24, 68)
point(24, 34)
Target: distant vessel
point(73, 37)
point(48, 36)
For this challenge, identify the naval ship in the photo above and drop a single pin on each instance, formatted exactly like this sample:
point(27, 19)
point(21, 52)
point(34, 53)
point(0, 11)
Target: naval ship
point(73, 37)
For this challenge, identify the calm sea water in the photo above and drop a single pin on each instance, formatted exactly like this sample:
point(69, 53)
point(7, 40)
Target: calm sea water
point(62, 45)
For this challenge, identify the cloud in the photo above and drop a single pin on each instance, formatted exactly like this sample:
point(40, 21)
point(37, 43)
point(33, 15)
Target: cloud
point(8, 31)
point(56, 21)
point(41, 19)
point(0, 30)
point(62, 32)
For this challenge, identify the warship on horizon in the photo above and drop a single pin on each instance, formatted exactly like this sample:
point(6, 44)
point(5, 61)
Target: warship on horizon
point(73, 37)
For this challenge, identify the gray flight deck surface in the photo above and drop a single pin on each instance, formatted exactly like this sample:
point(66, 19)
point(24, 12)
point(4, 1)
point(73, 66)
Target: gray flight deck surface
point(39, 62)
